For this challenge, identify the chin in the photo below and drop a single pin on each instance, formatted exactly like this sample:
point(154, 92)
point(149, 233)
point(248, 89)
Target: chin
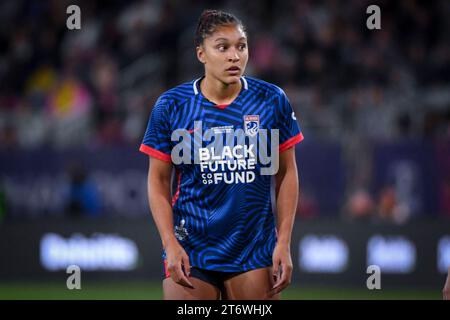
point(232, 79)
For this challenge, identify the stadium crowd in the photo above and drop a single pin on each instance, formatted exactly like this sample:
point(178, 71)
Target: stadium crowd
point(350, 85)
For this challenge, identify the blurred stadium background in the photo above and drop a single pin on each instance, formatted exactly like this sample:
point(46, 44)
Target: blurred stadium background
point(374, 106)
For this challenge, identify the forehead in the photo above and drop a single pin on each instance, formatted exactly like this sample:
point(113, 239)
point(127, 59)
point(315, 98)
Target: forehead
point(228, 32)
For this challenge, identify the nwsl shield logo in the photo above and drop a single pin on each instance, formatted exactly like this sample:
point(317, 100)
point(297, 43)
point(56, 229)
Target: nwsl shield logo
point(251, 125)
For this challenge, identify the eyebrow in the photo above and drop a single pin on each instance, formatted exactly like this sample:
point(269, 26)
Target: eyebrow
point(220, 39)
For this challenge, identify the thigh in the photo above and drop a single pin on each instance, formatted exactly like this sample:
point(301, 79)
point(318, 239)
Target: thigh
point(202, 290)
point(251, 285)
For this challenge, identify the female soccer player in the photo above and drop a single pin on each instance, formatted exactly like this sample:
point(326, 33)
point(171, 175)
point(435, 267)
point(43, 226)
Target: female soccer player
point(218, 231)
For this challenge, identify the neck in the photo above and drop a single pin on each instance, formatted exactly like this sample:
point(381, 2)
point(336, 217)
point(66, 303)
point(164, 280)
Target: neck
point(218, 92)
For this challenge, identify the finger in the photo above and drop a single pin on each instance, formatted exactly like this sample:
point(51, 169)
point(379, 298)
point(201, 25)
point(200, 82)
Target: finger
point(175, 274)
point(172, 272)
point(280, 287)
point(186, 266)
point(285, 278)
point(280, 284)
point(279, 277)
point(175, 277)
point(186, 283)
point(288, 272)
point(182, 279)
point(276, 270)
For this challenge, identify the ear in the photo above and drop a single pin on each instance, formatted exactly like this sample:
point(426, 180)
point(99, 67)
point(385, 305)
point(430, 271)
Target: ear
point(201, 54)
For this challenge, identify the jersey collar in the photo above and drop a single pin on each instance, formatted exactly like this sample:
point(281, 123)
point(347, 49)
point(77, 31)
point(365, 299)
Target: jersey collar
point(196, 84)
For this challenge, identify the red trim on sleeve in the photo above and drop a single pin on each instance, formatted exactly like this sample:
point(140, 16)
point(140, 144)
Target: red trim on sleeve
point(166, 270)
point(177, 194)
point(155, 153)
point(290, 142)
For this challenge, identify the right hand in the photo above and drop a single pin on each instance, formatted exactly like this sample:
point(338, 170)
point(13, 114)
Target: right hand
point(178, 264)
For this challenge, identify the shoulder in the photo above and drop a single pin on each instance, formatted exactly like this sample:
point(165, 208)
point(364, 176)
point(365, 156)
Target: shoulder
point(261, 86)
point(178, 94)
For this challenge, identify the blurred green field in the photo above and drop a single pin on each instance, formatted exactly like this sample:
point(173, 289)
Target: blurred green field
point(152, 291)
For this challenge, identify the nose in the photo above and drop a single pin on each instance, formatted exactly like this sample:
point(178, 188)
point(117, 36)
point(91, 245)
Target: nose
point(234, 56)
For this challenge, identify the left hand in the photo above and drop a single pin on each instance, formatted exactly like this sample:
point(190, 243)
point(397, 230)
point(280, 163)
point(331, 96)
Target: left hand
point(282, 268)
point(446, 290)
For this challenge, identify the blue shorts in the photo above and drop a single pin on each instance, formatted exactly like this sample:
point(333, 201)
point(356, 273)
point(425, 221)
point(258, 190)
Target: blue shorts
point(215, 278)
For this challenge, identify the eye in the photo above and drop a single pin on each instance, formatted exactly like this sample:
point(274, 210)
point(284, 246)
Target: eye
point(242, 46)
point(221, 47)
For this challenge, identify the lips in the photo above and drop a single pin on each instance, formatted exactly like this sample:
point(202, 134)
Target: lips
point(234, 68)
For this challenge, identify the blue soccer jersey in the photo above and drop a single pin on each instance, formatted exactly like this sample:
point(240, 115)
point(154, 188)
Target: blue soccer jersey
point(222, 207)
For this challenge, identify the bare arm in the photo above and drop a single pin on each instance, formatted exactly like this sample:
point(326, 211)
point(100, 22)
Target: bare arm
point(446, 290)
point(158, 186)
point(286, 196)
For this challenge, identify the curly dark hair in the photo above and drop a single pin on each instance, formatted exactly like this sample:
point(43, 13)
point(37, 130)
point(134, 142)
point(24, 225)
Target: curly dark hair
point(211, 19)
